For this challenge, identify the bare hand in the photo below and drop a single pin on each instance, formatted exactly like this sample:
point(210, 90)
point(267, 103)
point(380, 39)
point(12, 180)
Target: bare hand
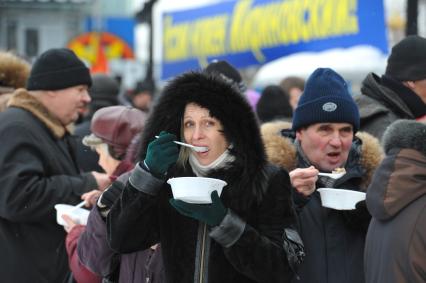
point(102, 180)
point(91, 197)
point(69, 223)
point(304, 179)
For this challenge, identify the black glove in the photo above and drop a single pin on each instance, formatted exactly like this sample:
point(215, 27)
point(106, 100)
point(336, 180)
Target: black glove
point(110, 195)
point(161, 154)
point(359, 218)
point(212, 214)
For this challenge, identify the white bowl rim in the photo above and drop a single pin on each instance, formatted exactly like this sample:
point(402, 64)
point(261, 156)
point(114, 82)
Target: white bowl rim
point(194, 177)
point(340, 190)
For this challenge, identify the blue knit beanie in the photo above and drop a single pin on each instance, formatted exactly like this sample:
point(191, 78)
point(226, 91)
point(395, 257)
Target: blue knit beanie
point(326, 98)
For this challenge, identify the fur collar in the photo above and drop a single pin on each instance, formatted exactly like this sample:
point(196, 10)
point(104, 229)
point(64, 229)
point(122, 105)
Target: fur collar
point(405, 134)
point(22, 99)
point(282, 152)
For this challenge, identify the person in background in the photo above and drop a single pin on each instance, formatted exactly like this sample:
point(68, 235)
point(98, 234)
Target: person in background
point(103, 93)
point(233, 76)
point(274, 104)
point(324, 136)
point(395, 250)
point(14, 72)
point(242, 236)
point(398, 94)
point(294, 86)
point(112, 128)
point(38, 168)
point(142, 96)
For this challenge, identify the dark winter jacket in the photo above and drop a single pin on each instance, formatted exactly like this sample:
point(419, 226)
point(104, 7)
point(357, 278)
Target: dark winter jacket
point(87, 159)
point(379, 106)
point(248, 244)
point(38, 170)
point(396, 240)
point(334, 239)
point(95, 253)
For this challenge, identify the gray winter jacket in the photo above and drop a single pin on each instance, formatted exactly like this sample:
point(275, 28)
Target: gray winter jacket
point(379, 106)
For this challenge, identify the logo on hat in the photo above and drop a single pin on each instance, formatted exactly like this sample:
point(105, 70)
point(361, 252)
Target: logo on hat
point(329, 106)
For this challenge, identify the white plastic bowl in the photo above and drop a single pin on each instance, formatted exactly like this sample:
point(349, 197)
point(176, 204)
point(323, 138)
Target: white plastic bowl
point(195, 189)
point(340, 199)
point(79, 215)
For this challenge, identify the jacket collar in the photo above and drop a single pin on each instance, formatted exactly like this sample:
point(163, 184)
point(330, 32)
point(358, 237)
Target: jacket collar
point(22, 99)
point(282, 151)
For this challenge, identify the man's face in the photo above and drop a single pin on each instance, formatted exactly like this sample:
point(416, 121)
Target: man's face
point(419, 87)
point(326, 145)
point(142, 101)
point(66, 104)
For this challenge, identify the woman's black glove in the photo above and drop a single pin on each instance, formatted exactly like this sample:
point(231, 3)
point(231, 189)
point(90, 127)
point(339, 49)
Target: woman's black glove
point(161, 154)
point(212, 214)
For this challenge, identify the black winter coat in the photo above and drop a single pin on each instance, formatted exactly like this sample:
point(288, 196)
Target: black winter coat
point(248, 244)
point(189, 248)
point(37, 171)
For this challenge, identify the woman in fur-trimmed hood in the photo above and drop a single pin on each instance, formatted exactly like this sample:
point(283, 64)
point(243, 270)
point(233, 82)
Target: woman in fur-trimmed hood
point(395, 248)
point(323, 137)
point(239, 236)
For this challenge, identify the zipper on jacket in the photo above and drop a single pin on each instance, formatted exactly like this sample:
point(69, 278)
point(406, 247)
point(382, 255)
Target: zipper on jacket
point(200, 276)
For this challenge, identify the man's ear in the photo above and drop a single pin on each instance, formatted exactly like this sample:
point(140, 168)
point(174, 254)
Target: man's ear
point(410, 84)
point(298, 134)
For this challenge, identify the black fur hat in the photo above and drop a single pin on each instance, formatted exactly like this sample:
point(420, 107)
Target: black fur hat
point(224, 103)
point(407, 61)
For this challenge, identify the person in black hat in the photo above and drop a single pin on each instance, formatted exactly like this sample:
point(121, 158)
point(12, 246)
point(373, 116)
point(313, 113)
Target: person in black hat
point(398, 94)
point(103, 93)
point(274, 104)
point(323, 137)
point(38, 168)
point(142, 96)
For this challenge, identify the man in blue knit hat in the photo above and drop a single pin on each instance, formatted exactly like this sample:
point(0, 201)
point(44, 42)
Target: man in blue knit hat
point(324, 137)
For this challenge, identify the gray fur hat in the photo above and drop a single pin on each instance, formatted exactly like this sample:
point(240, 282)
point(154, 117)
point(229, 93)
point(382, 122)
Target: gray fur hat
point(405, 134)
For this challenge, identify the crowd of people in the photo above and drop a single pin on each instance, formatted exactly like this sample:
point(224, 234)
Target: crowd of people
point(67, 137)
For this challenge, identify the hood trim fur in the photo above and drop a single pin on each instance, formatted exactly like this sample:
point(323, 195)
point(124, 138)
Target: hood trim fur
point(282, 152)
point(405, 134)
point(22, 99)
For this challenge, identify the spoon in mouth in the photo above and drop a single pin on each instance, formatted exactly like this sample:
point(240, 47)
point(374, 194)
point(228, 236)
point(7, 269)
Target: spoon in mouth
point(193, 147)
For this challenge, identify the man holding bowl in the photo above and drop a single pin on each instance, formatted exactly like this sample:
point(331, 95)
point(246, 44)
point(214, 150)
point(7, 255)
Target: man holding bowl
point(324, 137)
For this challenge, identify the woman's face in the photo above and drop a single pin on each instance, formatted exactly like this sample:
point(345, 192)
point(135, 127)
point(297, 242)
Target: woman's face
point(200, 129)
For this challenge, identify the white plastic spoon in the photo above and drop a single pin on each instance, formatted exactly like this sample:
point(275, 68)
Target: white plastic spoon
point(193, 147)
point(81, 204)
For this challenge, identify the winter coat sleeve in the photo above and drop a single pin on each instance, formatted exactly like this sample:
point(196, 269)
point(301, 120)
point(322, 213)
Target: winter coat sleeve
point(80, 273)
point(132, 222)
point(93, 249)
point(259, 253)
point(29, 191)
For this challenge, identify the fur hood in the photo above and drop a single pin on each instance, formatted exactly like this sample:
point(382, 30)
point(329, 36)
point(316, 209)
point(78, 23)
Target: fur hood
point(405, 134)
point(14, 71)
point(22, 99)
point(282, 152)
point(246, 174)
